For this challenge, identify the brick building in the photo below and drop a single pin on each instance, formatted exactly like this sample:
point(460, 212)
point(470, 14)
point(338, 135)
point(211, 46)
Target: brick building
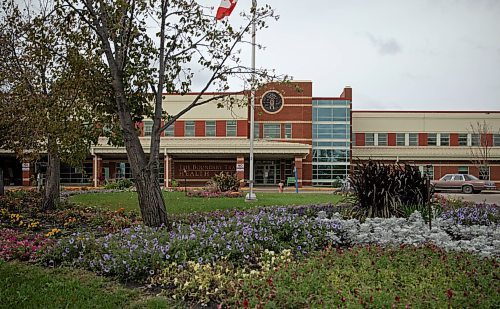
point(321, 136)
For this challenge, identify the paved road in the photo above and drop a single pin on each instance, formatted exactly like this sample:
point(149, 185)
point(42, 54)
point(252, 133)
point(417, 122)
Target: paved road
point(492, 197)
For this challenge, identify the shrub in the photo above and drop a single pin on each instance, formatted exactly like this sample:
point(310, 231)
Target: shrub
point(119, 184)
point(226, 182)
point(382, 189)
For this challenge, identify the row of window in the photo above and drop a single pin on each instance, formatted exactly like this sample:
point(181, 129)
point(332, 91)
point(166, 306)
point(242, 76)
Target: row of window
point(331, 114)
point(331, 131)
point(273, 130)
point(270, 130)
point(484, 173)
point(210, 128)
point(433, 139)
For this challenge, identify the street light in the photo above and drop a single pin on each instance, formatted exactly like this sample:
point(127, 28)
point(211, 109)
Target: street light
point(185, 181)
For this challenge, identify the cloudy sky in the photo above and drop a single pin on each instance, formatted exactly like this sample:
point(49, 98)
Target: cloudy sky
point(395, 54)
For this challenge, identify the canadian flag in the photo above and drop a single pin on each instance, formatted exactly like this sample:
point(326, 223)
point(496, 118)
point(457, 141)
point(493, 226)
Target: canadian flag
point(225, 8)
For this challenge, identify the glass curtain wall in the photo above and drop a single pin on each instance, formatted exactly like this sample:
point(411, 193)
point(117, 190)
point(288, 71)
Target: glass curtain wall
point(331, 141)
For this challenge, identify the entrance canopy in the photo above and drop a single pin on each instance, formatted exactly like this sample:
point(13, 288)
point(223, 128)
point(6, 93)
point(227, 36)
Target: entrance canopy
point(219, 147)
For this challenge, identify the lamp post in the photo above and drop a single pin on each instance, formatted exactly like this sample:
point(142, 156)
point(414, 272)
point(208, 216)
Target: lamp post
point(250, 195)
point(185, 181)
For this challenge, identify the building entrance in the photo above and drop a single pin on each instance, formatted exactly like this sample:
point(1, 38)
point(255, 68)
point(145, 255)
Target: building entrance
point(267, 173)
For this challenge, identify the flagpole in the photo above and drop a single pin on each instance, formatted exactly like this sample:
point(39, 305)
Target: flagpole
point(251, 196)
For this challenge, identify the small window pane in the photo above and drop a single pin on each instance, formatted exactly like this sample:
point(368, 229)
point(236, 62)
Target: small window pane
point(148, 127)
point(447, 177)
point(432, 139)
point(272, 130)
point(189, 128)
point(427, 171)
point(462, 139)
point(231, 128)
point(400, 139)
point(382, 139)
point(369, 139)
point(463, 170)
point(210, 128)
point(413, 139)
point(288, 130)
point(444, 139)
point(458, 178)
point(170, 130)
point(496, 140)
point(484, 173)
point(256, 130)
point(474, 139)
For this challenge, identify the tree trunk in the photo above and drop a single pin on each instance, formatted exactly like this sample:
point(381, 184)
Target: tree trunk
point(151, 199)
point(1, 182)
point(52, 191)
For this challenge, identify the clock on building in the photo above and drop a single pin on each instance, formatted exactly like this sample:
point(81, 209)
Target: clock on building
point(272, 102)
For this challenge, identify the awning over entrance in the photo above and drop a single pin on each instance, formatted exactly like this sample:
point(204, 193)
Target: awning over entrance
point(216, 146)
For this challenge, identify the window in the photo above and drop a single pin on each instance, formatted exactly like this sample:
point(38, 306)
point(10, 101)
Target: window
point(484, 173)
point(210, 128)
point(432, 139)
point(413, 139)
point(474, 139)
point(462, 139)
point(400, 139)
point(369, 139)
point(444, 139)
point(331, 131)
point(231, 128)
point(272, 130)
point(471, 178)
point(463, 170)
point(148, 127)
point(447, 178)
point(330, 114)
point(288, 130)
point(427, 170)
point(170, 130)
point(496, 140)
point(189, 128)
point(382, 139)
point(458, 178)
point(256, 131)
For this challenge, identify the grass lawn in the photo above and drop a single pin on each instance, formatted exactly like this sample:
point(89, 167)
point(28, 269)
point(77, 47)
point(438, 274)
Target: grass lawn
point(29, 286)
point(177, 202)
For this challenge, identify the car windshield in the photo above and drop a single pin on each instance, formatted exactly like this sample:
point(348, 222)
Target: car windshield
point(470, 177)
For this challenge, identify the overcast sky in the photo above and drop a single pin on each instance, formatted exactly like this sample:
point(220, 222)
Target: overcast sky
point(395, 54)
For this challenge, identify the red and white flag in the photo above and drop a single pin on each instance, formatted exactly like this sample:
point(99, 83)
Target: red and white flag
point(225, 8)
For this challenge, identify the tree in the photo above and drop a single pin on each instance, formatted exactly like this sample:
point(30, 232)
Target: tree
point(480, 148)
point(143, 64)
point(48, 76)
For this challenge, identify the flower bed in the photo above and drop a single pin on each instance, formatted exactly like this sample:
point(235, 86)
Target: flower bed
point(480, 214)
point(445, 233)
point(16, 245)
point(21, 210)
point(213, 194)
point(136, 253)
